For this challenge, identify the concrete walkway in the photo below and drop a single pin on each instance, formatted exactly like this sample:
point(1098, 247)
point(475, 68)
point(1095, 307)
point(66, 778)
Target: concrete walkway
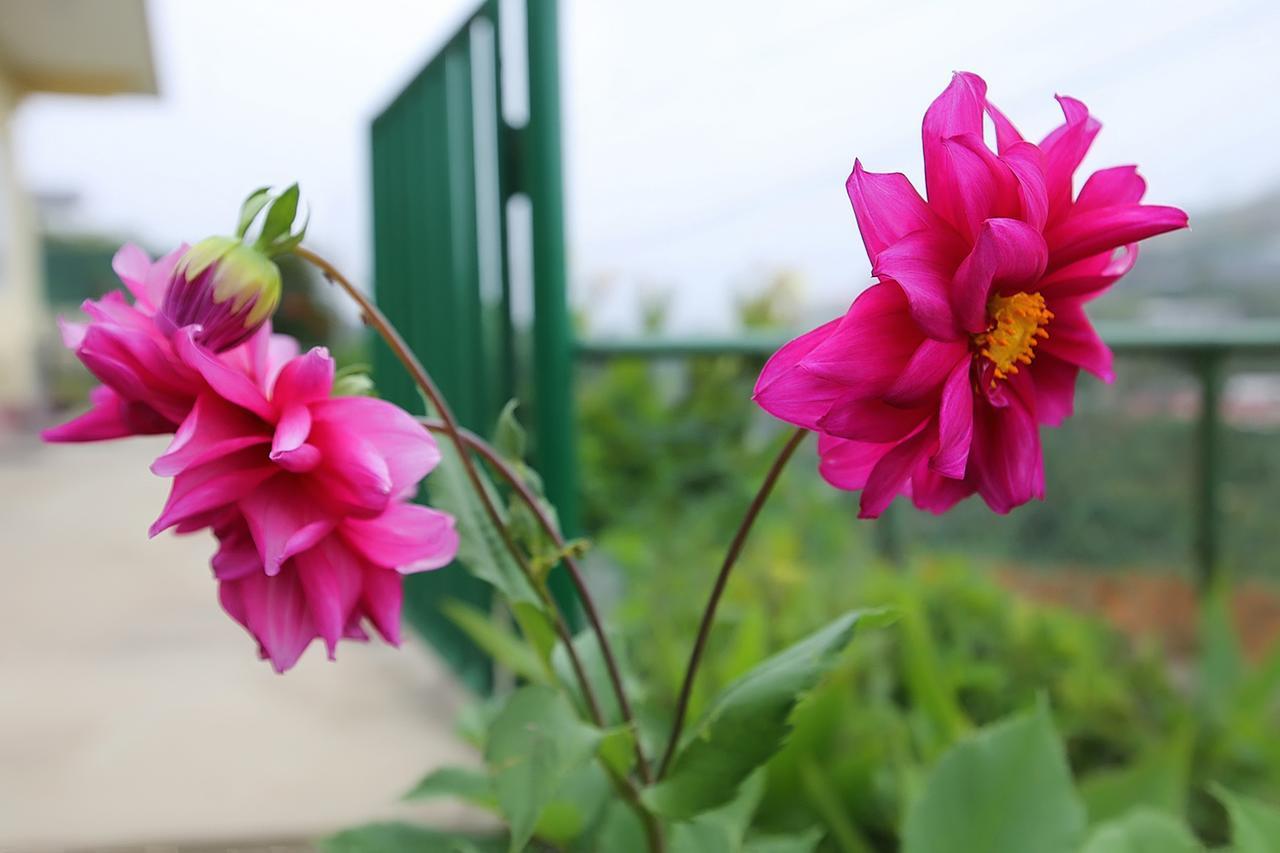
point(134, 712)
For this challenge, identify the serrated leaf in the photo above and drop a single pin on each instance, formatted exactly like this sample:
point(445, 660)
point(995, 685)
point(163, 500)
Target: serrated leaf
point(1005, 789)
point(392, 837)
point(533, 745)
point(1255, 825)
point(251, 207)
point(1143, 831)
point(720, 830)
point(503, 646)
point(746, 724)
point(280, 217)
point(463, 783)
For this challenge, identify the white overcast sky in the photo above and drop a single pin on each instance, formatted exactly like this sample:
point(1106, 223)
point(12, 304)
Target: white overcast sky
point(707, 143)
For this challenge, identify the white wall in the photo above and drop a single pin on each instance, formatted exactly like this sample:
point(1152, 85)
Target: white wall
point(22, 316)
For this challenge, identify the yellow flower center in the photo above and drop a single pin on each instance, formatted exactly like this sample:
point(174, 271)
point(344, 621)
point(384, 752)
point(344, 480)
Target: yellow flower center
point(1017, 325)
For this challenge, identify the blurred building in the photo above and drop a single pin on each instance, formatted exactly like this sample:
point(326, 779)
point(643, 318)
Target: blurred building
point(77, 47)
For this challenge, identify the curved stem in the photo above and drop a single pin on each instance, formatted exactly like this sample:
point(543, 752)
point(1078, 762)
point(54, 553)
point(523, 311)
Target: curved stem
point(717, 591)
point(504, 470)
point(375, 318)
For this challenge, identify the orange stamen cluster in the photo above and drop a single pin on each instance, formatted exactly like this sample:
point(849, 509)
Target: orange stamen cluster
point(1017, 326)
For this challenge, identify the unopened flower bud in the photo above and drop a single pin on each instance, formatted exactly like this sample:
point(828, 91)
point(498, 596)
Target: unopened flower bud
point(225, 287)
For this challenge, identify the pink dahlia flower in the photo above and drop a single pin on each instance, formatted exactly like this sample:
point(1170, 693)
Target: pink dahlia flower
point(330, 590)
point(293, 461)
point(936, 381)
point(146, 389)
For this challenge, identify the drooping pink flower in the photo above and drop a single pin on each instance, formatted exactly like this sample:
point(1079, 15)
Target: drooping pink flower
point(350, 578)
point(936, 381)
point(293, 461)
point(146, 389)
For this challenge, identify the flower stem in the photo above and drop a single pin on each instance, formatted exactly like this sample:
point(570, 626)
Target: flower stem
point(376, 319)
point(504, 470)
point(717, 591)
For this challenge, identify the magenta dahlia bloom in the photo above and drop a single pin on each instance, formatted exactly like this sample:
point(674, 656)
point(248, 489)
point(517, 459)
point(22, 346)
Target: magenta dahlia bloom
point(146, 389)
point(936, 381)
point(293, 461)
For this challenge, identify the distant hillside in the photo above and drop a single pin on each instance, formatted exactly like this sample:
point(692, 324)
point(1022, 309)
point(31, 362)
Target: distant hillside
point(1228, 263)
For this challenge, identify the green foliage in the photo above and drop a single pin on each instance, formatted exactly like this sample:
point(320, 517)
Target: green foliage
point(746, 724)
point(1143, 831)
point(1006, 789)
point(1255, 825)
point(534, 744)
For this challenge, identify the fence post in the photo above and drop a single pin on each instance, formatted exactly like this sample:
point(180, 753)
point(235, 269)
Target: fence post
point(555, 442)
point(1208, 364)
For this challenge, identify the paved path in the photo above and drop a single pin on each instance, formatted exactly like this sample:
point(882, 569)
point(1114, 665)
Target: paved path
point(132, 710)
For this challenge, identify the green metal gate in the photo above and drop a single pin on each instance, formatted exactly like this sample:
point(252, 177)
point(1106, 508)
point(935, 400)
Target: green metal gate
point(445, 164)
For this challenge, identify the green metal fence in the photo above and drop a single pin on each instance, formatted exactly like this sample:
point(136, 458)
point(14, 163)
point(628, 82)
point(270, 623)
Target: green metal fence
point(445, 166)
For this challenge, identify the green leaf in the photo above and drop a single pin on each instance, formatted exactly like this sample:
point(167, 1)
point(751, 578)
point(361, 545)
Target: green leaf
point(1005, 789)
point(480, 546)
point(1143, 831)
point(463, 783)
point(510, 438)
point(1157, 780)
point(503, 646)
point(535, 742)
point(597, 673)
point(721, 830)
point(280, 217)
point(618, 749)
point(252, 206)
point(537, 629)
point(746, 724)
point(404, 838)
point(804, 842)
point(1255, 825)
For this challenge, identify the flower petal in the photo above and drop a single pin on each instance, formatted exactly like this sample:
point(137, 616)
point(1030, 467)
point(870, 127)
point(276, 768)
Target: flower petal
point(1064, 148)
point(215, 484)
point(1073, 339)
point(887, 208)
point(922, 264)
point(213, 429)
point(381, 600)
point(1055, 388)
point(407, 537)
point(1008, 254)
point(1006, 464)
point(1102, 229)
point(872, 420)
point(1110, 187)
point(274, 610)
point(1089, 277)
point(956, 111)
point(302, 380)
point(955, 423)
point(285, 519)
point(891, 474)
point(871, 343)
point(930, 365)
point(1026, 162)
point(332, 580)
point(409, 451)
point(847, 464)
point(232, 384)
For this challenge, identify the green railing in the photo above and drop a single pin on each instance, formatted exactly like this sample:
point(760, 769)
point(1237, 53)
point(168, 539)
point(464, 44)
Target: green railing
point(1205, 353)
